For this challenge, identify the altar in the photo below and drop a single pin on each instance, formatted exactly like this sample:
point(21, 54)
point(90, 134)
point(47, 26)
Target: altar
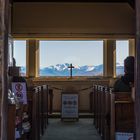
point(81, 86)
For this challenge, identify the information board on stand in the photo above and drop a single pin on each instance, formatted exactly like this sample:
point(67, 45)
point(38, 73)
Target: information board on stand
point(69, 106)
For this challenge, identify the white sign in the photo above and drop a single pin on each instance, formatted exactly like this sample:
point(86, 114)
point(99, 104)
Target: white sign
point(124, 136)
point(69, 106)
point(19, 88)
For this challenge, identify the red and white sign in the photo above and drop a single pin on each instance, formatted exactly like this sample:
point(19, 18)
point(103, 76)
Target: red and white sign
point(124, 136)
point(19, 88)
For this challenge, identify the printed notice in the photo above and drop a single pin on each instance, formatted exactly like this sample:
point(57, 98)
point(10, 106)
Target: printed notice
point(124, 136)
point(69, 106)
point(19, 88)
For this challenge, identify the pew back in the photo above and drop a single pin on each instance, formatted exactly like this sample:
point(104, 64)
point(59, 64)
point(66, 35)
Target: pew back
point(122, 113)
point(38, 108)
point(113, 112)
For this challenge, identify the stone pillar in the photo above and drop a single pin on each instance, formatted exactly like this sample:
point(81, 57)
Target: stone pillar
point(131, 47)
point(109, 58)
point(32, 58)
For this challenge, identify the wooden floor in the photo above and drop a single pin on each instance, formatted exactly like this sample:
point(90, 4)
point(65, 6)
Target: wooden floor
point(80, 130)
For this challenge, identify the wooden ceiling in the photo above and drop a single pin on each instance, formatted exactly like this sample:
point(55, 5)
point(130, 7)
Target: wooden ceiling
point(130, 2)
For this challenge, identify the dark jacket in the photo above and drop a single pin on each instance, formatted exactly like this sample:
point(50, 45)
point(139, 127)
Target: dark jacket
point(124, 83)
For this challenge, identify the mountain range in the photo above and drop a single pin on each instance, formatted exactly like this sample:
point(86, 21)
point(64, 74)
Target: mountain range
point(63, 70)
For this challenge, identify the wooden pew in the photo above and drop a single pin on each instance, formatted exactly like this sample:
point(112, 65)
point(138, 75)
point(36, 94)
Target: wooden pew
point(11, 121)
point(30, 93)
point(95, 104)
point(97, 107)
point(35, 132)
point(50, 97)
point(122, 113)
point(35, 110)
point(113, 112)
point(106, 134)
point(102, 111)
point(44, 108)
point(45, 104)
point(101, 96)
point(39, 109)
point(91, 100)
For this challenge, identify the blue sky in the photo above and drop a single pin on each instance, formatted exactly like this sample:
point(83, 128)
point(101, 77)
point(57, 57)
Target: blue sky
point(122, 51)
point(75, 52)
point(20, 52)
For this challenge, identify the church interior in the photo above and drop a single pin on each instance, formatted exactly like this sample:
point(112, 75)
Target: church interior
point(68, 106)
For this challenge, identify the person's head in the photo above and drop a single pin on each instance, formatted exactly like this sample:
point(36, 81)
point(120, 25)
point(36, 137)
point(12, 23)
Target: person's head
point(14, 62)
point(129, 65)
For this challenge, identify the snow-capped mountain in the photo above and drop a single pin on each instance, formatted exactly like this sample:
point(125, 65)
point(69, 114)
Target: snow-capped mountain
point(120, 68)
point(59, 67)
point(63, 70)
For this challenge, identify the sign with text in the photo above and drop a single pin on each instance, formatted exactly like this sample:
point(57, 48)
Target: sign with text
point(19, 88)
point(69, 105)
point(124, 136)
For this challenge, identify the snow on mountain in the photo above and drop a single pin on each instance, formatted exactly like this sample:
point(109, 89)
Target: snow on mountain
point(90, 68)
point(50, 67)
point(119, 64)
point(61, 67)
point(63, 70)
point(77, 67)
point(120, 68)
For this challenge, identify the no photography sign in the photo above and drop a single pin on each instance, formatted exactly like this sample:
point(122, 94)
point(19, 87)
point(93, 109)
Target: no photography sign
point(19, 88)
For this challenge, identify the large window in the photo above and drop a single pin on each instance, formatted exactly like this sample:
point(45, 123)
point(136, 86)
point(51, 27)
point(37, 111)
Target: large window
point(122, 51)
point(85, 56)
point(19, 53)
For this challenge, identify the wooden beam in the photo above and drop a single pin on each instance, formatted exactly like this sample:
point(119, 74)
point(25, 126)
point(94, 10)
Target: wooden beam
point(137, 71)
point(109, 58)
point(4, 28)
point(32, 58)
point(103, 1)
point(132, 47)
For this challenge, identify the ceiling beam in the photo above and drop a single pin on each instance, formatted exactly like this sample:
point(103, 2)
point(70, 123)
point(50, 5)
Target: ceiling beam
point(130, 2)
point(104, 1)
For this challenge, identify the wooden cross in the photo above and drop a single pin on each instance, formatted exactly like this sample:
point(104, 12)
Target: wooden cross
point(71, 67)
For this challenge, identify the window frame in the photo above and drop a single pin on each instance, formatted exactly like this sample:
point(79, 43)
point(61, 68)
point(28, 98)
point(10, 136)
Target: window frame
point(65, 77)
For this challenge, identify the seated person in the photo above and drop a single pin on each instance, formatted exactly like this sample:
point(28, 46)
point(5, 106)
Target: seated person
point(15, 73)
point(124, 83)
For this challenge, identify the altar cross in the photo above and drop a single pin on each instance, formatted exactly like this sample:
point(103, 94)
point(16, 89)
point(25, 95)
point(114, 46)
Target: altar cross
point(71, 67)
